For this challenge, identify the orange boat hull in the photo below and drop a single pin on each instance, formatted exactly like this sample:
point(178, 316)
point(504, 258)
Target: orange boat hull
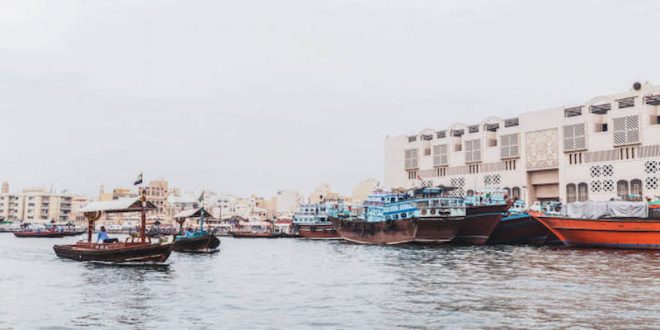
point(627, 233)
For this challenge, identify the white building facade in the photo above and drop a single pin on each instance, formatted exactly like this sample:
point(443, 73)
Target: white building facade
point(607, 147)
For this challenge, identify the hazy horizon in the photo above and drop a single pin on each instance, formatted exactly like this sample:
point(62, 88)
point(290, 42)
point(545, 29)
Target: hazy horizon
point(259, 96)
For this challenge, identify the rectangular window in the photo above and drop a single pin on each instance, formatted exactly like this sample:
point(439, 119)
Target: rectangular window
point(574, 137)
point(600, 128)
point(626, 103)
point(511, 122)
point(473, 150)
point(441, 134)
point(441, 171)
point(473, 129)
point(600, 109)
point(412, 175)
point(440, 155)
point(509, 146)
point(427, 137)
point(625, 130)
point(427, 151)
point(412, 139)
point(573, 112)
point(411, 159)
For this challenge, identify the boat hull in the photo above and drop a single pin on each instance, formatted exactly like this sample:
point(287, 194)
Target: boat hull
point(318, 232)
point(114, 252)
point(206, 243)
point(242, 234)
point(623, 233)
point(519, 229)
point(402, 231)
point(47, 234)
point(480, 221)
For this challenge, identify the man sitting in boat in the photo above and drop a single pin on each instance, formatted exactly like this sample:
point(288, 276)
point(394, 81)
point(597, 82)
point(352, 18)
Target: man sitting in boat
point(190, 232)
point(103, 237)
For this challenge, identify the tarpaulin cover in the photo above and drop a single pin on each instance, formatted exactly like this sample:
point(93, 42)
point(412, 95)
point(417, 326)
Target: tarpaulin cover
point(610, 209)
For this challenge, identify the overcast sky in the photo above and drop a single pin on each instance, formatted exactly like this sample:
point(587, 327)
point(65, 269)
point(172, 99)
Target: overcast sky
point(255, 96)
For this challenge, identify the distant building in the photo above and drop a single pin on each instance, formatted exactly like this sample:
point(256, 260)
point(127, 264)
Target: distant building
point(36, 206)
point(5, 187)
point(287, 202)
point(322, 193)
point(607, 147)
point(362, 190)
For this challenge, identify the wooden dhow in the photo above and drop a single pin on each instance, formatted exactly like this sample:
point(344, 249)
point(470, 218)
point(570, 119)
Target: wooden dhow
point(200, 241)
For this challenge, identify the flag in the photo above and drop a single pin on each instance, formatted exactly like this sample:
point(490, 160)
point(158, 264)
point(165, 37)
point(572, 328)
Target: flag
point(138, 180)
point(201, 197)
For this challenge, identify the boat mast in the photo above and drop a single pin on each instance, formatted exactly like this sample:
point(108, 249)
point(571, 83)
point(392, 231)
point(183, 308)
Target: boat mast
point(143, 220)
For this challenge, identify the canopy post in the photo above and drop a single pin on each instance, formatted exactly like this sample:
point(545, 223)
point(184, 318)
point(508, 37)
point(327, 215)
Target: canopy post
point(201, 220)
point(143, 220)
point(91, 219)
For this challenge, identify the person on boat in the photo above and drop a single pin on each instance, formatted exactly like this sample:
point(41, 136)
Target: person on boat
point(103, 237)
point(190, 232)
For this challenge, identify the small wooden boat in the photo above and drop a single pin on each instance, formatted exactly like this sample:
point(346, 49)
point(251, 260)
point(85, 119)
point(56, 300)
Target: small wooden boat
point(254, 234)
point(611, 231)
point(48, 233)
point(196, 242)
point(141, 251)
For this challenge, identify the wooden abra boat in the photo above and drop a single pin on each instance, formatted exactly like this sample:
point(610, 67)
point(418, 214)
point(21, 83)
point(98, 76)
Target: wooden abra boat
point(141, 251)
point(254, 234)
point(519, 228)
point(609, 230)
point(200, 241)
point(48, 233)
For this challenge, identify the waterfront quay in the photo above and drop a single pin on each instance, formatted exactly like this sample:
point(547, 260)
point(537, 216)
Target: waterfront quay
point(302, 284)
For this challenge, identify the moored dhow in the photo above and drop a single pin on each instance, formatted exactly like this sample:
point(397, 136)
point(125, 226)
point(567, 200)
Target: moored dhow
point(518, 227)
point(483, 213)
point(119, 252)
point(613, 224)
point(421, 215)
point(312, 222)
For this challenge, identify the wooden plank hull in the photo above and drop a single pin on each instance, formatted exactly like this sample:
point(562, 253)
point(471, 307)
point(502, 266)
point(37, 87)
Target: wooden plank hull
point(624, 233)
point(320, 232)
point(480, 221)
point(519, 229)
point(115, 252)
point(47, 234)
point(402, 231)
point(249, 234)
point(206, 243)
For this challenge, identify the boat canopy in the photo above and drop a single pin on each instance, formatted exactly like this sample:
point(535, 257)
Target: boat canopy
point(118, 206)
point(609, 209)
point(193, 213)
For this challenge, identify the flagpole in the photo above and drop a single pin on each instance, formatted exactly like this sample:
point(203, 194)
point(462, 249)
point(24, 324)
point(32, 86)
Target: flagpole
point(201, 217)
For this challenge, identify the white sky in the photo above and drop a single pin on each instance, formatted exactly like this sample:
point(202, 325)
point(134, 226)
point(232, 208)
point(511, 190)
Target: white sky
point(254, 96)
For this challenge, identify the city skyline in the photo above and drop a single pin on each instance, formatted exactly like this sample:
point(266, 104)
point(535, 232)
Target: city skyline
point(254, 101)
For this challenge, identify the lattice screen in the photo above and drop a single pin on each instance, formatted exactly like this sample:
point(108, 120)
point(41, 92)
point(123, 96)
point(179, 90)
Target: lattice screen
point(626, 130)
point(509, 146)
point(596, 186)
point(575, 137)
point(411, 158)
point(607, 170)
point(472, 150)
point(459, 184)
point(595, 171)
point(440, 155)
point(608, 185)
point(652, 183)
point(651, 167)
point(494, 179)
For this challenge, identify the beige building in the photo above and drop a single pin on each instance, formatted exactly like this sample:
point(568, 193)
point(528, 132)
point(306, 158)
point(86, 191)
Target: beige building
point(36, 206)
point(286, 202)
point(362, 190)
point(322, 193)
point(606, 147)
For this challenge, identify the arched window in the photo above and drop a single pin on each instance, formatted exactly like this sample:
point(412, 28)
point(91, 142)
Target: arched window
point(622, 188)
point(470, 193)
point(636, 187)
point(583, 192)
point(516, 192)
point(570, 193)
point(507, 191)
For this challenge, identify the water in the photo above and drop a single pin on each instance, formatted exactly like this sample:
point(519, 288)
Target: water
point(298, 284)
